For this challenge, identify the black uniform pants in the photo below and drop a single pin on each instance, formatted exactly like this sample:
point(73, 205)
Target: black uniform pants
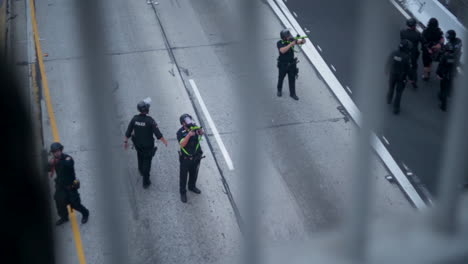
point(290, 70)
point(188, 167)
point(445, 89)
point(145, 156)
point(395, 83)
point(64, 196)
point(414, 66)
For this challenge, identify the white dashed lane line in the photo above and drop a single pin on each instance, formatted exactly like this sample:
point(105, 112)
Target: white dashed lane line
point(349, 89)
point(385, 140)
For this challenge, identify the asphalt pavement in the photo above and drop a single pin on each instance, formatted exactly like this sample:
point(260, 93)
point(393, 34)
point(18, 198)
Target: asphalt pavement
point(415, 136)
point(305, 146)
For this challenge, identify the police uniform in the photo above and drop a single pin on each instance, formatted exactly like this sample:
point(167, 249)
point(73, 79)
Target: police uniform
point(457, 46)
point(143, 128)
point(287, 65)
point(66, 189)
point(446, 71)
point(415, 38)
point(398, 67)
point(189, 157)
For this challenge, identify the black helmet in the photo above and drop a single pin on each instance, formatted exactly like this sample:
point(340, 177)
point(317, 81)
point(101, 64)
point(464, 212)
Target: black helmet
point(143, 107)
point(451, 34)
point(411, 22)
point(405, 45)
point(56, 146)
point(182, 118)
point(285, 34)
point(433, 23)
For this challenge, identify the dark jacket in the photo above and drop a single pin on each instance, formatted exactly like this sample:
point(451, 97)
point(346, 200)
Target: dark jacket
point(193, 147)
point(413, 36)
point(447, 66)
point(143, 128)
point(65, 170)
point(398, 64)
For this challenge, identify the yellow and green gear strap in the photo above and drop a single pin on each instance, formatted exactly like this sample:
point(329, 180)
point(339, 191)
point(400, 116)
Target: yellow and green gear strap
point(196, 148)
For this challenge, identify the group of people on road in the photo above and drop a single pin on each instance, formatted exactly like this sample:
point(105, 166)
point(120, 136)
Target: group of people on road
point(402, 64)
point(141, 130)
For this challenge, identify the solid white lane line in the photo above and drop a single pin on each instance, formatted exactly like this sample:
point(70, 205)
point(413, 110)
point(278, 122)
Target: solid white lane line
point(333, 67)
point(329, 77)
point(295, 14)
point(349, 89)
point(213, 128)
point(319, 48)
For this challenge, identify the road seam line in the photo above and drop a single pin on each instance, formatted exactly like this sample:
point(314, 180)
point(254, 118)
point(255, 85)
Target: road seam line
point(212, 125)
point(53, 124)
point(338, 90)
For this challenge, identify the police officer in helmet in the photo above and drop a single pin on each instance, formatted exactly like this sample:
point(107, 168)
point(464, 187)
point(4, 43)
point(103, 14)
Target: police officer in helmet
point(411, 34)
point(456, 44)
point(398, 68)
point(446, 72)
point(66, 184)
point(190, 155)
point(287, 63)
point(141, 129)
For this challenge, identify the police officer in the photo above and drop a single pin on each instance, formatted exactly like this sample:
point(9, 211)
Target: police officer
point(398, 68)
point(433, 38)
point(190, 155)
point(66, 184)
point(411, 34)
point(446, 73)
point(456, 44)
point(141, 129)
point(287, 63)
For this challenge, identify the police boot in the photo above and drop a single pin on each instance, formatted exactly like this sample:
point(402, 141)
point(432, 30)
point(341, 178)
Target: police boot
point(61, 221)
point(279, 93)
point(195, 190)
point(146, 182)
point(183, 197)
point(84, 220)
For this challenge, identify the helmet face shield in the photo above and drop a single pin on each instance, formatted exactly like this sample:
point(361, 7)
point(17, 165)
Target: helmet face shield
point(450, 34)
point(188, 120)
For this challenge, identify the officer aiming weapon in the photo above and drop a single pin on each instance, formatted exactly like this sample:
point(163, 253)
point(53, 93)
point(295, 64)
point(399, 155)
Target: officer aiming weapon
point(298, 37)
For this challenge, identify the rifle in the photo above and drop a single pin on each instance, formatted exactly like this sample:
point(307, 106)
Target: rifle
point(298, 37)
point(195, 128)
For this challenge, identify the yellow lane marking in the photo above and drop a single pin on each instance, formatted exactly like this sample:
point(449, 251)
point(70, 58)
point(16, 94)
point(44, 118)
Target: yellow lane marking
point(53, 124)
